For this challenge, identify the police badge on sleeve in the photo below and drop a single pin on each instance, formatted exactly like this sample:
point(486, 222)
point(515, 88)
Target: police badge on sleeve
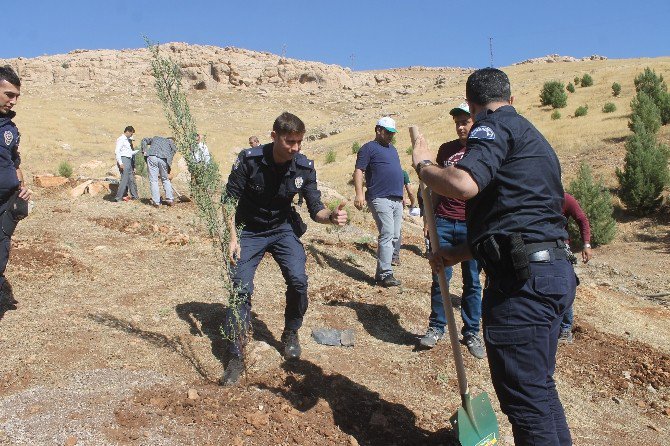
point(299, 182)
point(9, 137)
point(482, 132)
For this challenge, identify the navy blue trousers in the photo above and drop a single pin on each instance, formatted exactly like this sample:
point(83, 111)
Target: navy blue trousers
point(521, 322)
point(288, 252)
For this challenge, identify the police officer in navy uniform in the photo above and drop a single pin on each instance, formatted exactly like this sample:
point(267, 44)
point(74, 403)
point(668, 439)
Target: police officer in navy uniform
point(264, 180)
point(511, 178)
point(14, 195)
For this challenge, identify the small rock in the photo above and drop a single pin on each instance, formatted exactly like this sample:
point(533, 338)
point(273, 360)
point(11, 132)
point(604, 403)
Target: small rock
point(71, 441)
point(237, 441)
point(641, 404)
point(626, 374)
point(326, 336)
point(347, 337)
point(258, 419)
point(352, 441)
point(666, 411)
point(193, 394)
point(651, 389)
point(616, 400)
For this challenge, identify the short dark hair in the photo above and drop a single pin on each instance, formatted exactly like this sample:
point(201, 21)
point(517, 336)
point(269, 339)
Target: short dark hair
point(288, 123)
point(130, 128)
point(488, 85)
point(8, 74)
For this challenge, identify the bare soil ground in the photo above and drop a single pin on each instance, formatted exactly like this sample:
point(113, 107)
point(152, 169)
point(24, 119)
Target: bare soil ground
point(115, 339)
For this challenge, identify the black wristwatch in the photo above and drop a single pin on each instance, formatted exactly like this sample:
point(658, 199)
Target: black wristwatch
point(421, 164)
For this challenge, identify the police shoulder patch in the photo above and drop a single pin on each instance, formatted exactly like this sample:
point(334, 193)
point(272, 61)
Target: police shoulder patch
point(482, 132)
point(9, 137)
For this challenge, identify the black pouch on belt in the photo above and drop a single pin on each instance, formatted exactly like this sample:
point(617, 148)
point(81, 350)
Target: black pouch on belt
point(519, 257)
point(16, 209)
point(299, 226)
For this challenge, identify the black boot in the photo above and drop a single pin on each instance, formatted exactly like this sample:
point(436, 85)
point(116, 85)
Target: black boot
point(233, 371)
point(291, 342)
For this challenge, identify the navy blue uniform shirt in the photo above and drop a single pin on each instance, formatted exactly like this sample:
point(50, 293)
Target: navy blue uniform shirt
point(265, 190)
point(10, 160)
point(519, 179)
point(383, 174)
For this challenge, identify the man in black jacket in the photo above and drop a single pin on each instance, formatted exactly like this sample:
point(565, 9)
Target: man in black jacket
point(14, 195)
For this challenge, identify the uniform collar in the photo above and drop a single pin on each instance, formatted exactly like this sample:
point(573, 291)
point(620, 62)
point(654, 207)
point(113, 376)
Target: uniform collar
point(268, 159)
point(8, 117)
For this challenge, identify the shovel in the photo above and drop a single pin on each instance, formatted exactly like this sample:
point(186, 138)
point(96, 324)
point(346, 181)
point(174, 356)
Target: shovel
point(180, 197)
point(475, 421)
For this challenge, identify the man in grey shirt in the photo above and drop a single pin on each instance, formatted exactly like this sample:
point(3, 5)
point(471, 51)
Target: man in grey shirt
point(159, 152)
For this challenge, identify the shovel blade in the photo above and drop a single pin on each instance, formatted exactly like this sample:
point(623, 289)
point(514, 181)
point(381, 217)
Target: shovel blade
point(480, 428)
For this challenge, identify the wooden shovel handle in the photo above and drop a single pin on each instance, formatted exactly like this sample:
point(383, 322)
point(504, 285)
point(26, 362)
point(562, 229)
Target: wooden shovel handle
point(429, 219)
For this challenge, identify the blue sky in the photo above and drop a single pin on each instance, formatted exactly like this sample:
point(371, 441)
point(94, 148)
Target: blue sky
point(359, 34)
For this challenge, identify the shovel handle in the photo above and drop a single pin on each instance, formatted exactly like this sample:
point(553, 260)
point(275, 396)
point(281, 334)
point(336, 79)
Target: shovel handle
point(429, 219)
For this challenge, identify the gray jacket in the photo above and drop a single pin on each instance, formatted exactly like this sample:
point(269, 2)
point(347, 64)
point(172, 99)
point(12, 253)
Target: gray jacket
point(160, 147)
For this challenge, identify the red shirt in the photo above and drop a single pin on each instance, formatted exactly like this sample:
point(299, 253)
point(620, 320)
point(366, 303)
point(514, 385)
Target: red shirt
point(572, 209)
point(449, 154)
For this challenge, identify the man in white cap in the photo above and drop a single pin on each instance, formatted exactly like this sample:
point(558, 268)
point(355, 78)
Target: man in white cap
point(452, 230)
point(379, 163)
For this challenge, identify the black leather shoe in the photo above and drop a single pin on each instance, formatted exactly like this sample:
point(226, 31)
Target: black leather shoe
point(233, 372)
point(389, 281)
point(291, 342)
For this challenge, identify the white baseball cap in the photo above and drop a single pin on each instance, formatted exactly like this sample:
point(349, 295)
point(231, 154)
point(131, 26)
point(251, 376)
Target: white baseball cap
point(387, 123)
point(462, 108)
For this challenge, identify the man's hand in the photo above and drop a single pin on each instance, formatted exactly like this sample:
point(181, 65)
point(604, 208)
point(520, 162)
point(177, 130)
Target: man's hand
point(449, 256)
point(587, 254)
point(359, 202)
point(234, 252)
point(421, 151)
point(339, 216)
point(25, 193)
point(120, 166)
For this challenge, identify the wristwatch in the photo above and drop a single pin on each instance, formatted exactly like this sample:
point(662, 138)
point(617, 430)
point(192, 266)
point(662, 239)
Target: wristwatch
point(421, 164)
point(587, 245)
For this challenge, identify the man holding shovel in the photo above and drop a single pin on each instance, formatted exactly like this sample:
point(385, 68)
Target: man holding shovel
point(511, 179)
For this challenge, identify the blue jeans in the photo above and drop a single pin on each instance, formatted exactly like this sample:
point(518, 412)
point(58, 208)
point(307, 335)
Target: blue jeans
point(158, 167)
point(289, 253)
point(451, 233)
point(388, 217)
point(568, 319)
point(521, 323)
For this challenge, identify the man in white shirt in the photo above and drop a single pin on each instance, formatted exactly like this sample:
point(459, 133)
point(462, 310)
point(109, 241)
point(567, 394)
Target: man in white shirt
point(201, 152)
point(124, 160)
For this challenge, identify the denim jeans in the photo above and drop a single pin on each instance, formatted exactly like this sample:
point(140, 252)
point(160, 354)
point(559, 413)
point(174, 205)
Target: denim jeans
point(451, 233)
point(568, 319)
point(388, 217)
point(155, 167)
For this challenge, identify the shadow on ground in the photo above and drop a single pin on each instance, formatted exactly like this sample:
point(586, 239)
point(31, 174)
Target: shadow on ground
point(357, 410)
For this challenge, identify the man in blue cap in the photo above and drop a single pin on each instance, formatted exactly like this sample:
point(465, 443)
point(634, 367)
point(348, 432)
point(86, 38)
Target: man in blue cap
point(379, 163)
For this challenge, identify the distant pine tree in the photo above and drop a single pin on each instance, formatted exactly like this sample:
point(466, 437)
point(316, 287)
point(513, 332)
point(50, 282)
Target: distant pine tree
point(645, 171)
point(654, 86)
point(645, 113)
point(596, 202)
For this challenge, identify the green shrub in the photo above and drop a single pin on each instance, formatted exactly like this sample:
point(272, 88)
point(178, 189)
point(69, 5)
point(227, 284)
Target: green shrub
point(409, 150)
point(140, 165)
point(609, 107)
point(330, 156)
point(570, 87)
point(65, 169)
point(553, 93)
point(645, 172)
point(596, 202)
point(577, 80)
point(616, 89)
point(587, 80)
point(645, 112)
point(654, 86)
point(355, 148)
point(582, 110)
point(555, 115)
